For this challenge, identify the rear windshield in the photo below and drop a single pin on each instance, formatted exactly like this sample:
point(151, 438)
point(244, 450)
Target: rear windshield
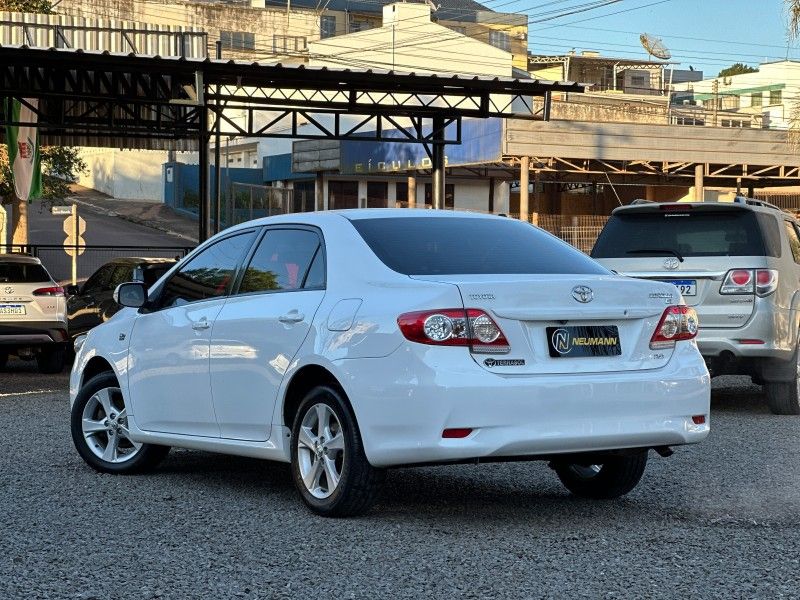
point(700, 233)
point(464, 245)
point(23, 273)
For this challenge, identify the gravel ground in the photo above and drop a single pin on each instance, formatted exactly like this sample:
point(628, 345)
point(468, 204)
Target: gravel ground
point(715, 520)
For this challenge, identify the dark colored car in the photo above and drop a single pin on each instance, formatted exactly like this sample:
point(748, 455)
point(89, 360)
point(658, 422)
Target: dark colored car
point(92, 303)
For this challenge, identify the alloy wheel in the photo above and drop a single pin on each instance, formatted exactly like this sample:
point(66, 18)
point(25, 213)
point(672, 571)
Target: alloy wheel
point(320, 450)
point(104, 424)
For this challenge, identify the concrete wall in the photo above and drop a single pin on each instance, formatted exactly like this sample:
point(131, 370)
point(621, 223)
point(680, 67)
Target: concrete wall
point(605, 108)
point(264, 23)
point(127, 175)
point(409, 41)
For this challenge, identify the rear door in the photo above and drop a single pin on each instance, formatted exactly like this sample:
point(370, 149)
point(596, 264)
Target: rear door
point(262, 326)
point(693, 249)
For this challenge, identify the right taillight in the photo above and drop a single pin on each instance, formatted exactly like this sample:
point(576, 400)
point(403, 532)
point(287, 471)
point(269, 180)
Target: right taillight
point(749, 281)
point(676, 324)
point(454, 327)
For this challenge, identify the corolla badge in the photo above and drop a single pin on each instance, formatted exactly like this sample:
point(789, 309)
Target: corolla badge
point(671, 264)
point(582, 294)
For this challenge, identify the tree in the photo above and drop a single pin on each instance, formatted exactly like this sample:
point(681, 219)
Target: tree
point(738, 69)
point(793, 8)
point(31, 6)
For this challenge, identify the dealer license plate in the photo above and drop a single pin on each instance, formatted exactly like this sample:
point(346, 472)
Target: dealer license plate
point(583, 340)
point(12, 309)
point(687, 287)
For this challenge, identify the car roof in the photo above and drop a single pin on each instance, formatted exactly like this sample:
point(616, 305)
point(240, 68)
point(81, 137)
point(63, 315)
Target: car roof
point(320, 218)
point(20, 258)
point(134, 260)
point(740, 203)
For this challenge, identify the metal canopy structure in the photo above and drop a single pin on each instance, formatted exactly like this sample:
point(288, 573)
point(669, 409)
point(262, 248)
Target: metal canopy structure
point(118, 100)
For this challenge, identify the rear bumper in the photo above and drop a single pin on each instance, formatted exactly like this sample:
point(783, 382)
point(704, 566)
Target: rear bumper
point(401, 418)
point(33, 333)
point(768, 324)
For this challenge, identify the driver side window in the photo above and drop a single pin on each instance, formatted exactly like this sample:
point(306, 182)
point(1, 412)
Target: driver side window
point(210, 274)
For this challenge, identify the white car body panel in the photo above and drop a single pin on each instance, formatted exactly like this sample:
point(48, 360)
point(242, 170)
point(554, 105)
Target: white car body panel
point(403, 393)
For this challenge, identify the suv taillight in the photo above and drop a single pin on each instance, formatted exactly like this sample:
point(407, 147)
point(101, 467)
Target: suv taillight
point(49, 291)
point(748, 281)
point(455, 327)
point(676, 324)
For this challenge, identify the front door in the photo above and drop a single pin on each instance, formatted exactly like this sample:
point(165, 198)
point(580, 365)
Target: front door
point(261, 328)
point(168, 370)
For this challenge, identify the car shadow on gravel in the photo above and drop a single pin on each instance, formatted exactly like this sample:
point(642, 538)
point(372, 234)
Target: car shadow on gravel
point(737, 394)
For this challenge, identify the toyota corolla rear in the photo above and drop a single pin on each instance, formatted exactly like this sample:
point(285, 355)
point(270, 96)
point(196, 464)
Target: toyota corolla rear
point(530, 349)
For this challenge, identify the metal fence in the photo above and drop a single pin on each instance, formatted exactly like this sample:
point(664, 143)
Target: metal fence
point(579, 230)
point(59, 264)
point(248, 201)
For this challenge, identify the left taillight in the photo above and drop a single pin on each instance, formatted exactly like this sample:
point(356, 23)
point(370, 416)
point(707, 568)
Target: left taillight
point(676, 324)
point(49, 291)
point(454, 327)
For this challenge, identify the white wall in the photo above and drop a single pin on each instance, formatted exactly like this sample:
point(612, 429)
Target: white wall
point(127, 175)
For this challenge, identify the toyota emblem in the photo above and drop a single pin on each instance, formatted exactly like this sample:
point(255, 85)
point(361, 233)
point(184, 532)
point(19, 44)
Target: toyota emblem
point(582, 294)
point(8, 289)
point(671, 264)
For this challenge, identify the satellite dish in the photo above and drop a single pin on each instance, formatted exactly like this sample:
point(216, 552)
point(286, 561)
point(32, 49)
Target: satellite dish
point(655, 47)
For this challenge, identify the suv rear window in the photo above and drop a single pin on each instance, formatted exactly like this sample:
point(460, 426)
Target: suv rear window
point(693, 233)
point(465, 245)
point(23, 273)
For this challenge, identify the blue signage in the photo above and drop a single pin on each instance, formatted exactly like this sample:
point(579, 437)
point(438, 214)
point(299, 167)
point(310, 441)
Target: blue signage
point(481, 142)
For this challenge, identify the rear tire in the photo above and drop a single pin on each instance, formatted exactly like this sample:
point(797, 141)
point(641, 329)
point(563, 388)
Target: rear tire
point(615, 477)
point(329, 467)
point(783, 397)
point(99, 426)
point(50, 360)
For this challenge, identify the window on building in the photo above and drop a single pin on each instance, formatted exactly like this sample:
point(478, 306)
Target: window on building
point(303, 195)
point(282, 44)
point(500, 39)
point(734, 123)
point(377, 194)
point(459, 29)
point(449, 195)
point(237, 40)
point(757, 99)
point(401, 194)
point(359, 26)
point(342, 194)
point(639, 82)
point(327, 26)
point(776, 96)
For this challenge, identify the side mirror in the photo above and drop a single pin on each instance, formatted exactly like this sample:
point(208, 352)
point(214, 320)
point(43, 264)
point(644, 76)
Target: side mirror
point(72, 290)
point(132, 294)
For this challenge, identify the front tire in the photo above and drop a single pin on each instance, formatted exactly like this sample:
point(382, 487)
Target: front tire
point(329, 467)
point(99, 425)
point(50, 361)
point(615, 477)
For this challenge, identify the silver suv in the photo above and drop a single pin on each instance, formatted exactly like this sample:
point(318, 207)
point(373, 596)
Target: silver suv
point(33, 322)
point(738, 264)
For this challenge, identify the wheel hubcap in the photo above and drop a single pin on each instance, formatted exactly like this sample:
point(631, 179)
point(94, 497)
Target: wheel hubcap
point(105, 427)
point(320, 450)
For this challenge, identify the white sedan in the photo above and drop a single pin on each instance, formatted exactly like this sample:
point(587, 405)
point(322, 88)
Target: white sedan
point(349, 342)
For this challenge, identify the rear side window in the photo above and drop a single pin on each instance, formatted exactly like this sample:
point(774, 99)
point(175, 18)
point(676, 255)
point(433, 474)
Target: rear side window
point(281, 261)
point(23, 273)
point(693, 233)
point(466, 245)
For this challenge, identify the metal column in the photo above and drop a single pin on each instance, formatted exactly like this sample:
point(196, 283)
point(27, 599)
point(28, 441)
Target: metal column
point(217, 141)
point(204, 197)
point(437, 157)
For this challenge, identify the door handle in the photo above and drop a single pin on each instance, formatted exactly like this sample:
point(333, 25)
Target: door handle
point(292, 316)
point(200, 325)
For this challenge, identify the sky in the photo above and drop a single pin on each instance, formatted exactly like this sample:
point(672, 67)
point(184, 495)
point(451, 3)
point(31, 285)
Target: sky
point(706, 34)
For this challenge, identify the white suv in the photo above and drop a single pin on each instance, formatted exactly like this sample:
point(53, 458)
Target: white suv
point(33, 321)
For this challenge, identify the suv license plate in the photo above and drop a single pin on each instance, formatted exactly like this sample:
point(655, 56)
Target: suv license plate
point(583, 340)
point(687, 287)
point(12, 309)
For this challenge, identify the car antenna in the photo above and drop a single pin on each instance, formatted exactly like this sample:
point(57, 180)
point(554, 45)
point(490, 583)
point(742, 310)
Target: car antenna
point(613, 189)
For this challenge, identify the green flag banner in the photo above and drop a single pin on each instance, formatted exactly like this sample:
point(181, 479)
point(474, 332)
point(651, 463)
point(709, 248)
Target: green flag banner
point(23, 149)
